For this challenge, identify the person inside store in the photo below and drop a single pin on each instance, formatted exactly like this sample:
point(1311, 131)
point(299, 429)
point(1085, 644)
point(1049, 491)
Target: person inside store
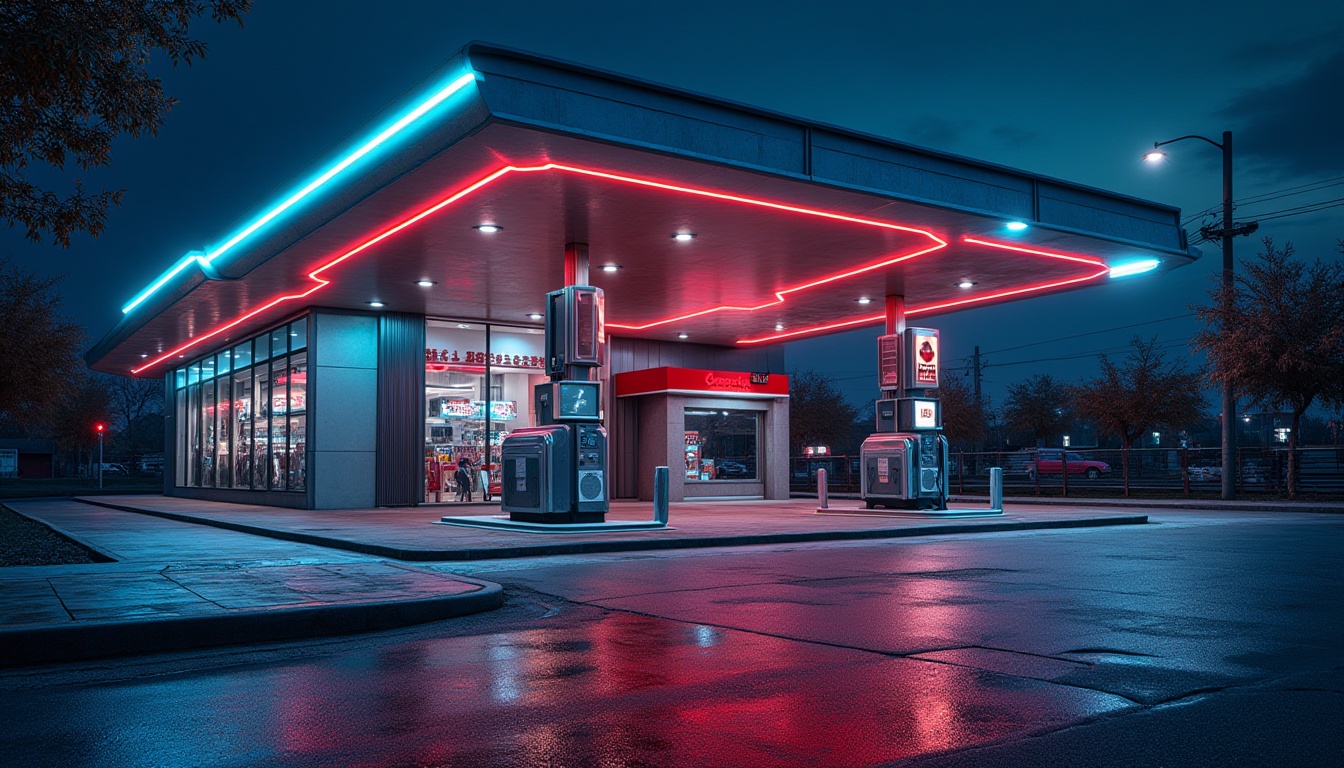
point(463, 479)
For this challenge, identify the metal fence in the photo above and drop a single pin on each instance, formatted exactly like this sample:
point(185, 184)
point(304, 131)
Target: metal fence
point(1178, 472)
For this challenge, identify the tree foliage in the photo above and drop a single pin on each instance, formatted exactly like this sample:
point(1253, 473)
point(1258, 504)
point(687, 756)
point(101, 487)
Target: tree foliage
point(74, 76)
point(131, 399)
point(1037, 408)
point(1143, 392)
point(965, 421)
point(818, 413)
point(1278, 335)
point(41, 349)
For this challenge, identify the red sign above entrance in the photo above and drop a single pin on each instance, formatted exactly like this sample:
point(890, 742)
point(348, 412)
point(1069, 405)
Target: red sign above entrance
point(696, 381)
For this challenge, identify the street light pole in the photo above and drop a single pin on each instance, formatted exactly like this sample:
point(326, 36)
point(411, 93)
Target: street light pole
point(1228, 231)
point(1229, 397)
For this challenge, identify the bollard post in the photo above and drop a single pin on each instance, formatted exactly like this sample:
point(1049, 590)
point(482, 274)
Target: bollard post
point(996, 488)
point(661, 478)
point(823, 494)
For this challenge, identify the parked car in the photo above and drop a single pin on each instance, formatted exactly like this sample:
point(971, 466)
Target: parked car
point(726, 469)
point(1051, 461)
point(110, 468)
point(1207, 472)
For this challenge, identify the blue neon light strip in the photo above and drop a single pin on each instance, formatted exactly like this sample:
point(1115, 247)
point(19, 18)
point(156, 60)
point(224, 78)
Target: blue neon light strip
point(1135, 267)
point(331, 173)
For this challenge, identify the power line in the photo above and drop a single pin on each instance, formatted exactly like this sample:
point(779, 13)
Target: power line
point(1302, 210)
point(1084, 355)
point(1314, 186)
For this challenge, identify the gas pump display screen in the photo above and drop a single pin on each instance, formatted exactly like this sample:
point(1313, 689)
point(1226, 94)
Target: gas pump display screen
point(926, 414)
point(578, 400)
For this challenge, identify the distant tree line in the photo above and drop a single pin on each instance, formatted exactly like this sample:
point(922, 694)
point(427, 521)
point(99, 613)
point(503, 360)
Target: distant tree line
point(46, 392)
point(1278, 337)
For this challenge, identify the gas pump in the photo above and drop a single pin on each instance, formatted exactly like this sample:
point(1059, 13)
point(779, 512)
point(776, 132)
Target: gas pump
point(556, 472)
point(904, 464)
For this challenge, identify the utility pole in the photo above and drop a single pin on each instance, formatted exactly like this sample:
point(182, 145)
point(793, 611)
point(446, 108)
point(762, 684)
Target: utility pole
point(1229, 230)
point(975, 375)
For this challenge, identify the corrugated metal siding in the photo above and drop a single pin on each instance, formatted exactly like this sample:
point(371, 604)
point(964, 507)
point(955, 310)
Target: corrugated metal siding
point(401, 392)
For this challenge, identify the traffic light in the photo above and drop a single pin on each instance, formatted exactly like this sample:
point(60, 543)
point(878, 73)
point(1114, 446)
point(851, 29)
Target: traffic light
point(100, 427)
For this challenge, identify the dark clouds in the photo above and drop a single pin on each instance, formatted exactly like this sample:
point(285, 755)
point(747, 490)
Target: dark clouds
point(1293, 128)
point(954, 135)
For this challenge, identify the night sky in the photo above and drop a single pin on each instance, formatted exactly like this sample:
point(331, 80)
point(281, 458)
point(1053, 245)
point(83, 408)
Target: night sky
point(1072, 90)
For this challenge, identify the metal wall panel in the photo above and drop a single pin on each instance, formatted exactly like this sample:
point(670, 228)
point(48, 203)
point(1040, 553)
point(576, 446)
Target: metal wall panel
point(401, 422)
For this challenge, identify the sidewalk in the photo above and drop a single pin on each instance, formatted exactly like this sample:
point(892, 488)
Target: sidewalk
point(411, 533)
point(176, 586)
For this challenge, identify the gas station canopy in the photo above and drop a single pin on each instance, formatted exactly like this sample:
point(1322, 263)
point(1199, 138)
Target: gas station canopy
point(705, 220)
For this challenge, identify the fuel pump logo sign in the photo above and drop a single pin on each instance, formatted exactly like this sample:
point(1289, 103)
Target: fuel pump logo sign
point(922, 358)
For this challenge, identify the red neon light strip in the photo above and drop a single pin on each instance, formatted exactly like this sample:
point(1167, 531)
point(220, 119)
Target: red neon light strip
point(779, 295)
point(322, 282)
point(924, 309)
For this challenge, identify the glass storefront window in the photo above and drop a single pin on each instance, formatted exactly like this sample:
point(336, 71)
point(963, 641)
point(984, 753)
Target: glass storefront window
point(242, 415)
point(242, 355)
point(297, 415)
point(261, 426)
point(466, 417)
point(298, 335)
point(721, 444)
point(193, 434)
point(242, 425)
point(279, 341)
point(279, 469)
point(223, 454)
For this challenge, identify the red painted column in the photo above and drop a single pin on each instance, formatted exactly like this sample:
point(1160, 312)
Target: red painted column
point(895, 314)
point(576, 264)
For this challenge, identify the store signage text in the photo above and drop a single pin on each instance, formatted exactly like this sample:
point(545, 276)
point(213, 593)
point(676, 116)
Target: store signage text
point(500, 410)
point(732, 382)
point(470, 357)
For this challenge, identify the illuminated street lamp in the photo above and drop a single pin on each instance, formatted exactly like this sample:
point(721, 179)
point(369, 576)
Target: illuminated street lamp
point(1225, 233)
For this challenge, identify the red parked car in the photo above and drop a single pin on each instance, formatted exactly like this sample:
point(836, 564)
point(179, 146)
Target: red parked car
point(1050, 461)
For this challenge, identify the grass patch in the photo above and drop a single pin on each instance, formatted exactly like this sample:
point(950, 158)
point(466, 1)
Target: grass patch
point(28, 542)
point(28, 488)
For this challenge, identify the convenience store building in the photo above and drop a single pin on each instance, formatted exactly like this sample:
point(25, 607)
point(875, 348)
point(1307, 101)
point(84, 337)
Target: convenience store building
point(384, 313)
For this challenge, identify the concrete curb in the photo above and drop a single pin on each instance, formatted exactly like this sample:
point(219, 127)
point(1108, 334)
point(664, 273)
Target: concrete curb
point(96, 640)
point(1155, 505)
point(1148, 505)
point(631, 545)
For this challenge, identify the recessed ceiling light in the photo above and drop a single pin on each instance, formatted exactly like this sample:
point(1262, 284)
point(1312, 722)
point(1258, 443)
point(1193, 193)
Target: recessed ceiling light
point(965, 284)
point(535, 316)
point(1016, 226)
point(375, 304)
point(294, 333)
point(143, 355)
point(463, 325)
point(779, 326)
point(488, 229)
point(684, 237)
point(610, 267)
point(683, 335)
point(864, 300)
point(426, 283)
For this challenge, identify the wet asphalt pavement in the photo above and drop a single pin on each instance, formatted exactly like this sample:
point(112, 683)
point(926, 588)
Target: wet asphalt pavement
point(1204, 639)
